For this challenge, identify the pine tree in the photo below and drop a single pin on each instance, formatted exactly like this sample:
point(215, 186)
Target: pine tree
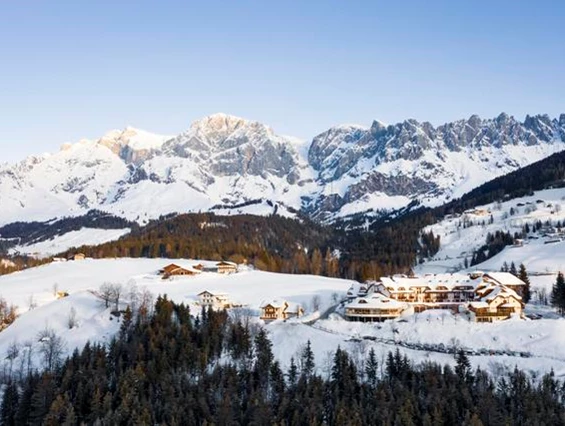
point(513, 269)
point(9, 404)
point(126, 322)
point(292, 373)
point(558, 294)
point(263, 349)
point(307, 358)
point(371, 369)
point(463, 366)
point(523, 275)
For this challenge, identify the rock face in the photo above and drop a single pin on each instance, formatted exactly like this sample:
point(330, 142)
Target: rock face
point(230, 146)
point(223, 160)
point(419, 161)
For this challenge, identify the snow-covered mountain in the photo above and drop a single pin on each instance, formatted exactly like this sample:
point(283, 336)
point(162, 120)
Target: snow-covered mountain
point(388, 166)
point(224, 162)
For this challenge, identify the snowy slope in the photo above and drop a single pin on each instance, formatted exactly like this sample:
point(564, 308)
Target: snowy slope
point(78, 278)
point(458, 241)
point(59, 244)
point(541, 338)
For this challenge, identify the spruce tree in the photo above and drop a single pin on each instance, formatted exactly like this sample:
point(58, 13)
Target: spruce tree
point(371, 369)
point(558, 294)
point(513, 269)
point(523, 275)
point(10, 402)
point(307, 358)
point(463, 366)
point(292, 373)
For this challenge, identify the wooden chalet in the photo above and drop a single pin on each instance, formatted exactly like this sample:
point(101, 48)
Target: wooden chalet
point(280, 310)
point(225, 267)
point(173, 270)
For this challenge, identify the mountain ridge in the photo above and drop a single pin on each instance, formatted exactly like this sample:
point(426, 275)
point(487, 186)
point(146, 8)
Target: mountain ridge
point(227, 160)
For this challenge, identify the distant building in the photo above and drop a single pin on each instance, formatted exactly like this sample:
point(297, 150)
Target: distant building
point(374, 308)
point(496, 303)
point(215, 300)
point(475, 292)
point(62, 294)
point(173, 270)
point(225, 267)
point(280, 310)
point(168, 268)
point(77, 256)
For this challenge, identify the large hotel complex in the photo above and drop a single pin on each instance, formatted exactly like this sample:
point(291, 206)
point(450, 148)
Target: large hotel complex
point(486, 297)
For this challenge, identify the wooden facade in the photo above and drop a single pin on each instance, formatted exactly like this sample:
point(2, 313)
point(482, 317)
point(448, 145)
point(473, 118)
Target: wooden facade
point(280, 310)
point(226, 267)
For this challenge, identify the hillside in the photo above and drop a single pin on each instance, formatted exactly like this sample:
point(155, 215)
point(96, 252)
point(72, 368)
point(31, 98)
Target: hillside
point(496, 346)
point(271, 243)
point(463, 234)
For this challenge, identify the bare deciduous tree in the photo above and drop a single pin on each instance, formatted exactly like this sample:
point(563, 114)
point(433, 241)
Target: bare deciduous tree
point(25, 359)
point(133, 295)
point(72, 319)
point(8, 313)
point(105, 293)
point(316, 303)
point(146, 302)
point(117, 290)
point(31, 304)
point(12, 353)
point(51, 348)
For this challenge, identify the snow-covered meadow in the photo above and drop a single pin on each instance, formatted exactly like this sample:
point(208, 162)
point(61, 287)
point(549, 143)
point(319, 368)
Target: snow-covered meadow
point(33, 291)
point(495, 347)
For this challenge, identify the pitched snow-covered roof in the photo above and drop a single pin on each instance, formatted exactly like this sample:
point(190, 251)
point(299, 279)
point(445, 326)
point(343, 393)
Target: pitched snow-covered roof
point(479, 304)
point(181, 265)
point(493, 291)
point(376, 300)
point(226, 262)
point(275, 303)
point(504, 278)
point(214, 293)
point(435, 282)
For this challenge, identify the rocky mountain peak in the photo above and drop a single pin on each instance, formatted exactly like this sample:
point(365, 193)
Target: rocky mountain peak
point(220, 126)
point(223, 159)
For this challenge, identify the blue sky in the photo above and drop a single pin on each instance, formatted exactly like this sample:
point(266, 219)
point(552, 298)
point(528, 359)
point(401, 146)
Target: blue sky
point(73, 69)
